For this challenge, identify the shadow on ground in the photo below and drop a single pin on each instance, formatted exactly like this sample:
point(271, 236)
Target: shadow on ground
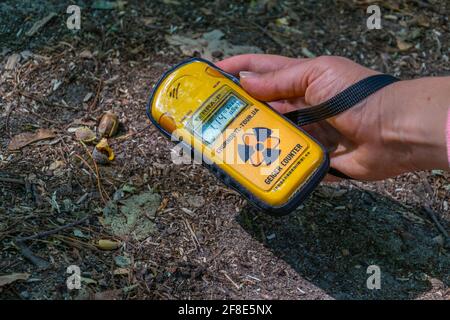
point(337, 234)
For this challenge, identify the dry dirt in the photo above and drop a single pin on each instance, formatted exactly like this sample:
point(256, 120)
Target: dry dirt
point(206, 241)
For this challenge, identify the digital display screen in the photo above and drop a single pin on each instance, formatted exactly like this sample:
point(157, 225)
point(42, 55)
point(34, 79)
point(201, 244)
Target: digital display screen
point(217, 122)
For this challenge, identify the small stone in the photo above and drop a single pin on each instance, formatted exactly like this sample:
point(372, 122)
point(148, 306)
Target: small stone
point(122, 261)
point(271, 236)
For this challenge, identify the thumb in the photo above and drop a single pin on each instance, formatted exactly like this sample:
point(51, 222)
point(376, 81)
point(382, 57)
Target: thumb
point(276, 85)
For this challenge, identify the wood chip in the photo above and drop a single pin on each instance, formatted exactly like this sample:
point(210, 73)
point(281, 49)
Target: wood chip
point(86, 54)
point(12, 61)
point(39, 24)
point(403, 45)
point(10, 278)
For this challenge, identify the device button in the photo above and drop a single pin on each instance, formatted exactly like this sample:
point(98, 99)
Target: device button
point(213, 72)
point(168, 123)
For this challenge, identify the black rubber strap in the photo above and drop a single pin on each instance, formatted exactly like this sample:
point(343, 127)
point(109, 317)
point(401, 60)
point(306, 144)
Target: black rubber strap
point(342, 101)
point(339, 103)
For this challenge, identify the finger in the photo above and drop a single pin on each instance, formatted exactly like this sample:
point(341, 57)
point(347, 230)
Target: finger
point(280, 84)
point(349, 165)
point(260, 63)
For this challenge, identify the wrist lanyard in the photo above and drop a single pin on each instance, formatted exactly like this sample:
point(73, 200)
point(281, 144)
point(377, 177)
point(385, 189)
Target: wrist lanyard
point(339, 103)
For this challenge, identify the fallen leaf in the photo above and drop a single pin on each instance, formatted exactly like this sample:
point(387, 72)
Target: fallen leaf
point(209, 45)
point(10, 278)
point(108, 244)
point(23, 139)
point(132, 216)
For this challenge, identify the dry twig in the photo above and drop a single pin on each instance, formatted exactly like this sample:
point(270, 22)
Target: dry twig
point(53, 231)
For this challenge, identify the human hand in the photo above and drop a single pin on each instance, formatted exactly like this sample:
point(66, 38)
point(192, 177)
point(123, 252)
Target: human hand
point(398, 129)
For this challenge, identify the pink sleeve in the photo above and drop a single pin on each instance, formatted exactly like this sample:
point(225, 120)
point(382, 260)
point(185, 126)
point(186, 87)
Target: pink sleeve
point(448, 136)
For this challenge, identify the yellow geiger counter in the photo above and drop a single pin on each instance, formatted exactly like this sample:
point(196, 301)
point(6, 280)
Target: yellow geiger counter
point(244, 142)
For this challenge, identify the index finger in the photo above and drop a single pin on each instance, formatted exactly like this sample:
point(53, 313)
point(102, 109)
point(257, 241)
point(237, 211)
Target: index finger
point(259, 63)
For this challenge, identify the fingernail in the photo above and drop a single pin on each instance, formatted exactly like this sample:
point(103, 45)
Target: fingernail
point(246, 74)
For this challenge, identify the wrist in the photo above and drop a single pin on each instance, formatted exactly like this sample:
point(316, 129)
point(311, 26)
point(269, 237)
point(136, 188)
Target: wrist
point(418, 122)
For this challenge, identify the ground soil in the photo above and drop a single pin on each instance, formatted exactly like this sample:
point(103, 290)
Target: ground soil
point(207, 242)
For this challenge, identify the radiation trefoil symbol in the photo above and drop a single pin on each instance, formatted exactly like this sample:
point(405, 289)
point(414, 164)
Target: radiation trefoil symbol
point(259, 147)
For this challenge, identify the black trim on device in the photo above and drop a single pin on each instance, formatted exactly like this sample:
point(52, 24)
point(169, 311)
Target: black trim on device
point(296, 199)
